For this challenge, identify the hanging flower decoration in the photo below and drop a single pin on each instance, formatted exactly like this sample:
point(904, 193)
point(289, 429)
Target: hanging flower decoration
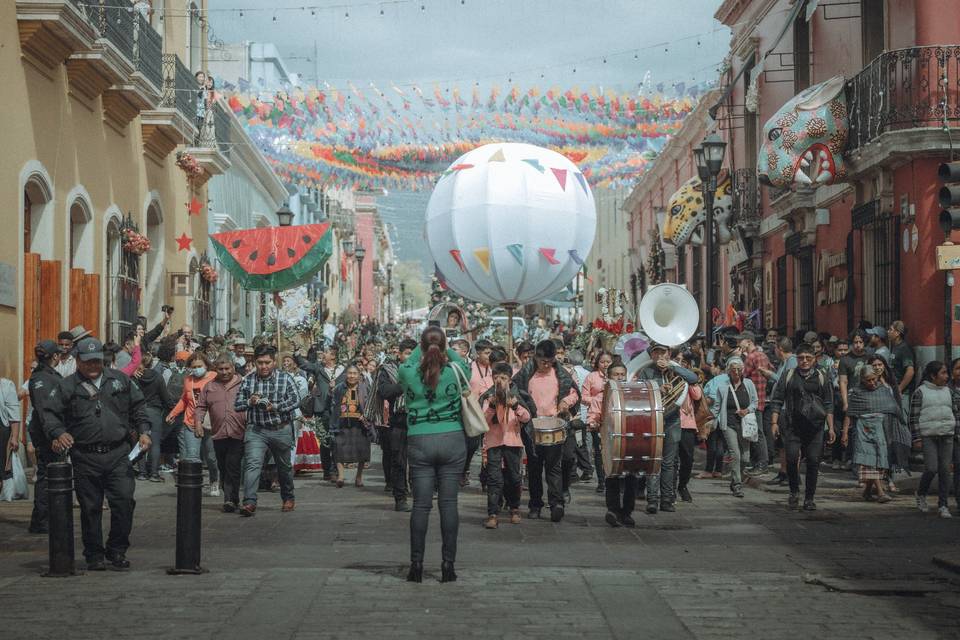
point(208, 273)
point(189, 165)
point(135, 243)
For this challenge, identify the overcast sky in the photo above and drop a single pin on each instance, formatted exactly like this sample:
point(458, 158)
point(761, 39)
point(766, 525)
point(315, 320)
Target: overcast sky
point(563, 43)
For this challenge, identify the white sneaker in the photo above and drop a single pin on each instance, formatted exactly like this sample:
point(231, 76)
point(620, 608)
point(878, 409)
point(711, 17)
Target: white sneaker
point(945, 512)
point(215, 491)
point(922, 504)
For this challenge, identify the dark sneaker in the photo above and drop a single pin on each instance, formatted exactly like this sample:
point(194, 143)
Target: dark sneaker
point(142, 476)
point(779, 479)
point(118, 562)
point(534, 514)
point(156, 478)
point(566, 497)
point(685, 494)
point(668, 507)
point(809, 505)
point(612, 519)
point(96, 565)
point(556, 514)
point(601, 488)
point(402, 505)
point(229, 507)
point(652, 509)
point(793, 501)
point(39, 528)
point(627, 521)
point(248, 510)
point(586, 477)
point(738, 493)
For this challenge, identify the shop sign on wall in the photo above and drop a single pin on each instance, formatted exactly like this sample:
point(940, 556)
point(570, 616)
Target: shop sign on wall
point(831, 287)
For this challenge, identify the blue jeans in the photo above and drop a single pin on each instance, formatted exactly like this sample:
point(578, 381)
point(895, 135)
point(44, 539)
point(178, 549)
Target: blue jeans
point(256, 443)
point(189, 444)
point(435, 459)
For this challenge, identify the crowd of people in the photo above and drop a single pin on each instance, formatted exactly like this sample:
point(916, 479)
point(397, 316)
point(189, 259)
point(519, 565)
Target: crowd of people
point(756, 402)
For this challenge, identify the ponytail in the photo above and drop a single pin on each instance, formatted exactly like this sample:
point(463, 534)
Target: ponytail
point(433, 345)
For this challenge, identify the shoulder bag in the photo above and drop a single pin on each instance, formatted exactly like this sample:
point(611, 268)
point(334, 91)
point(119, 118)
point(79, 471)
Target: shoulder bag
point(748, 423)
point(474, 423)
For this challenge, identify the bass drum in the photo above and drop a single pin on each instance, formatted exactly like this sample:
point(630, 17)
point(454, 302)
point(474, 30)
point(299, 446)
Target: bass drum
point(631, 428)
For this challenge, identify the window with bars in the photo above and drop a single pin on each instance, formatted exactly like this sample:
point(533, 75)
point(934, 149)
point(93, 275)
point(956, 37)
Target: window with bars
point(781, 314)
point(880, 262)
point(804, 292)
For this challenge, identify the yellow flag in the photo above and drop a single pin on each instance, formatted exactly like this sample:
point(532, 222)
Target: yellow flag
point(483, 257)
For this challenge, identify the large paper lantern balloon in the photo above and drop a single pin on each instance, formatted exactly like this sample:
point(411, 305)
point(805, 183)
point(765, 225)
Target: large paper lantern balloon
point(510, 223)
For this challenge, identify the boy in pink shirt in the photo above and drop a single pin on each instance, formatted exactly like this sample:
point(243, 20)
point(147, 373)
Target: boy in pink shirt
point(505, 415)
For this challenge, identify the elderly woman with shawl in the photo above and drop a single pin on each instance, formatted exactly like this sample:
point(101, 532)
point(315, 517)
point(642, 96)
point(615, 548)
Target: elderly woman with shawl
point(876, 412)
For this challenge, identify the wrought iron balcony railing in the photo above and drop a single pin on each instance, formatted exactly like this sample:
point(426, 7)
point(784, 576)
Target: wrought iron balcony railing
point(215, 130)
point(917, 87)
point(746, 200)
point(116, 20)
point(179, 87)
point(148, 51)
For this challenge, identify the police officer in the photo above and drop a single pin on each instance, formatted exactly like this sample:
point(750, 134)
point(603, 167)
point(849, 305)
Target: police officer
point(93, 414)
point(43, 380)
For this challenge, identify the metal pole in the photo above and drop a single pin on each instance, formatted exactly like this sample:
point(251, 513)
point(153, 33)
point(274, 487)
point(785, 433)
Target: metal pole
point(947, 316)
point(189, 501)
point(60, 497)
point(360, 289)
point(389, 296)
point(708, 192)
point(510, 308)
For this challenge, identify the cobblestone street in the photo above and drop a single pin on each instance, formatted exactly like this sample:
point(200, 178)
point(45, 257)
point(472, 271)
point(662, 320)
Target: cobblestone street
point(716, 568)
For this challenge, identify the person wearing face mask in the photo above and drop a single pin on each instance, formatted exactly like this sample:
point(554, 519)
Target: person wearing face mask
point(192, 435)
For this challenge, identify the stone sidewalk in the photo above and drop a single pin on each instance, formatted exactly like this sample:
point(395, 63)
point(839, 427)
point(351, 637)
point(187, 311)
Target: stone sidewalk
point(717, 568)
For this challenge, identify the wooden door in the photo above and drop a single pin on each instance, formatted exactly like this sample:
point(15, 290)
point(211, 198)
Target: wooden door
point(31, 308)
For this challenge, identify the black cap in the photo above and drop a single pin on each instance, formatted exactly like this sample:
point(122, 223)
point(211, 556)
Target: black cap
point(46, 349)
point(90, 349)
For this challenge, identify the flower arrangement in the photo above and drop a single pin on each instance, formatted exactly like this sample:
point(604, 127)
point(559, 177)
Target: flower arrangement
point(135, 243)
point(208, 273)
point(189, 165)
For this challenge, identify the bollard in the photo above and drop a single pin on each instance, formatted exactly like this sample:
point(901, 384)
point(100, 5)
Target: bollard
point(189, 501)
point(60, 497)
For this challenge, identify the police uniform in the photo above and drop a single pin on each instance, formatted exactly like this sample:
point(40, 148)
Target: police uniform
point(99, 415)
point(43, 380)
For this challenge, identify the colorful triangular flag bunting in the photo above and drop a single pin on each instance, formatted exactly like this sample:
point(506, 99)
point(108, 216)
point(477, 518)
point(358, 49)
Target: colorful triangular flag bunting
point(516, 250)
point(582, 181)
point(550, 255)
point(483, 257)
point(498, 156)
point(561, 176)
point(575, 256)
point(533, 162)
point(458, 259)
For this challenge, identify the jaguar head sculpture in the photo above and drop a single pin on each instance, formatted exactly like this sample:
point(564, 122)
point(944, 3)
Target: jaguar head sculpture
point(686, 213)
point(804, 141)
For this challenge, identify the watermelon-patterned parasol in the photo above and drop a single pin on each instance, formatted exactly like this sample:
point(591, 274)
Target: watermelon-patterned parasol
point(274, 258)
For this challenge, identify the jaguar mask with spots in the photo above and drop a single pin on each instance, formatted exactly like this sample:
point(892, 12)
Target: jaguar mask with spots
point(804, 141)
point(686, 213)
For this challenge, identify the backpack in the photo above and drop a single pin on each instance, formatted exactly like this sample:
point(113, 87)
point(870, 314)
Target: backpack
point(811, 407)
point(175, 383)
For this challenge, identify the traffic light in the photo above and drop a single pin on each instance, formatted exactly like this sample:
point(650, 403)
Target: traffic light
point(949, 196)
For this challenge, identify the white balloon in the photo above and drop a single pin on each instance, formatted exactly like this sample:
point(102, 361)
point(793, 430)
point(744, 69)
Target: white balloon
point(506, 194)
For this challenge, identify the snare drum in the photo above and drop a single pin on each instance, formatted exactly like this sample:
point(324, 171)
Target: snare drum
point(631, 428)
point(549, 431)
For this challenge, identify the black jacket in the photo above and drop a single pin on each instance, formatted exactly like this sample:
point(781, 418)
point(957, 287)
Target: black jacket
point(564, 380)
point(154, 391)
point(389, 388)
point(104, 417)
point(42, 381)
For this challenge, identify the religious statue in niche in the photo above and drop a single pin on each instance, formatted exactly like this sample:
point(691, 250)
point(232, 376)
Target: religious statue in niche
point(687, 215)
point(803, 142)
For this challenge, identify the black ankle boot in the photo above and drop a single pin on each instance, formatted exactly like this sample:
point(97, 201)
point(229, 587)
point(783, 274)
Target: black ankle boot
point(447, 574)
point(416, 572)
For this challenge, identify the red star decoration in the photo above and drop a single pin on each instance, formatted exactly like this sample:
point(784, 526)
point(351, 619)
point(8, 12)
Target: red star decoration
point(194, 208)
point(183, 242)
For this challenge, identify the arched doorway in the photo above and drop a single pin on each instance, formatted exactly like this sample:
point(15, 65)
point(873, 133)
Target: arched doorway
point(153, 263)
point(42, 275)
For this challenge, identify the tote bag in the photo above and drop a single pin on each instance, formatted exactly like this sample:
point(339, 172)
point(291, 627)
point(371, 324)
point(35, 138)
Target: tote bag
point(474, 423)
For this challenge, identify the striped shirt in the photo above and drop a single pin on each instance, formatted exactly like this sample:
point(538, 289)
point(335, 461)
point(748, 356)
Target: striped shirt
point(279, 389)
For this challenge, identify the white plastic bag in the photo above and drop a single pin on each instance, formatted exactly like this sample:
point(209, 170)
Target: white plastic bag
point(14, 488)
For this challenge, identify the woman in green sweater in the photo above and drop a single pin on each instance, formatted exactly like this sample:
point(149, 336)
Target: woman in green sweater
point(436, 446)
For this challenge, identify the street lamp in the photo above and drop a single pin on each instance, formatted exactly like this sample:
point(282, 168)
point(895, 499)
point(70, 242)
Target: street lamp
point(709, 159)
point(347, 244)
point(285, 216)
point(360, 253)
point(403, 297)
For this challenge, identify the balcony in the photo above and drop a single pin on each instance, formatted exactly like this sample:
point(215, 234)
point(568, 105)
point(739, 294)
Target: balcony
point(51, 31)
point(140, 91)
point(110, 60)
point(174, 122)
point(746, 202)
point(902, 103)
point(212, 148)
